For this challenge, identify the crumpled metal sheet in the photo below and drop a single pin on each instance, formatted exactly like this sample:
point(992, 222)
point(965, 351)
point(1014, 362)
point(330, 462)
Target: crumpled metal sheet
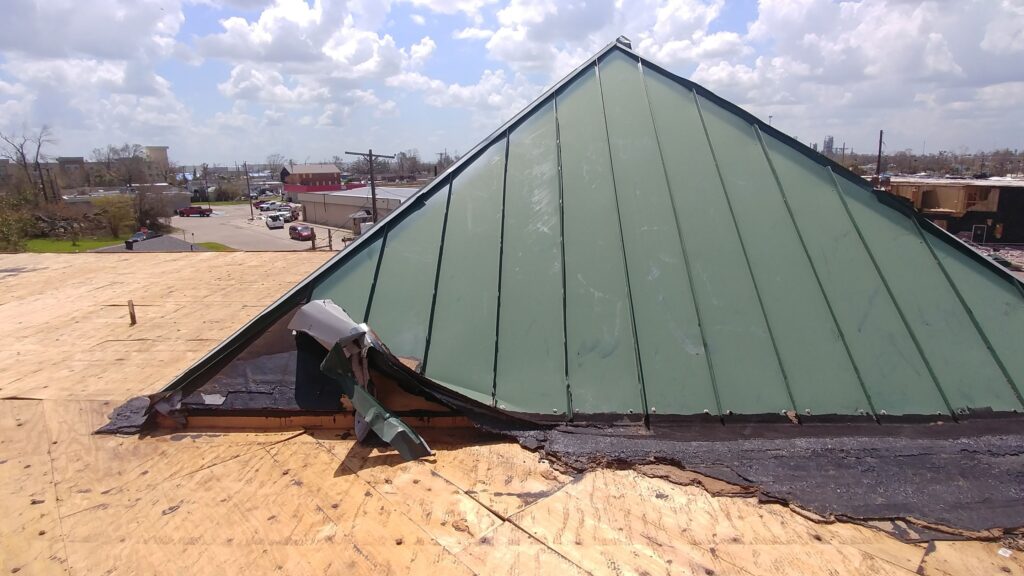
point(349, 344)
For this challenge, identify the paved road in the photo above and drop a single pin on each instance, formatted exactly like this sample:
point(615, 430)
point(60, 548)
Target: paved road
point(230, 225)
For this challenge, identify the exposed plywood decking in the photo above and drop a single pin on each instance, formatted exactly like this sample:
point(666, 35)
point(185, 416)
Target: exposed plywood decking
point(291, 502)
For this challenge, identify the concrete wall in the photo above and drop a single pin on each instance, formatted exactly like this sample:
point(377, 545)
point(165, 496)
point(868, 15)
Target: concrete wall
point(336, 210)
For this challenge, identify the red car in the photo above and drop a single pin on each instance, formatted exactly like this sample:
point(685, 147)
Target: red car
point(301, 232)
point(195, 211)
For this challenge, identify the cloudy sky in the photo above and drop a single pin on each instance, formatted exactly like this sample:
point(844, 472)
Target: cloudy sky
point(222, 81)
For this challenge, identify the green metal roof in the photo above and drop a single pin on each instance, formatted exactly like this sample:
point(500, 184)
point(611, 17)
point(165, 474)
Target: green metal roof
point(633, 245)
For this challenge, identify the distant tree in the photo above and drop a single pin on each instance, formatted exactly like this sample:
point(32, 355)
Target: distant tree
point(275, 162)
point(26, 151)
point(361, 166)
point(408, 162)
point(123, 165)
point(17, 197)
point(229, 190)
point(117, 211)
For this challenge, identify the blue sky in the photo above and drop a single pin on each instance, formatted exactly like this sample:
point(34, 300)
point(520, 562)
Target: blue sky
point(223, 81)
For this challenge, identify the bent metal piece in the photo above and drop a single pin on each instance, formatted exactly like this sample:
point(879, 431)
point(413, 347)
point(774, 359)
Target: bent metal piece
point(349, 344)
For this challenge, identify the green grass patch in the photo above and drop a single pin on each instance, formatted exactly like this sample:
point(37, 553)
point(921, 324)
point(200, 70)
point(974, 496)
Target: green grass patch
point(58, 245)
point(216, 247)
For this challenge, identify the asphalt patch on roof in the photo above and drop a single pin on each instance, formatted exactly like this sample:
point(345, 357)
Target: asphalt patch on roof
point(965, 479)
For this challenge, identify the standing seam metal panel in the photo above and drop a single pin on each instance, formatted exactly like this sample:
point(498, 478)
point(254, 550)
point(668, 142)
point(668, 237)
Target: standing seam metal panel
point(350, 287)
point(530, 372)
point(465, 317)
point(767, 396)
point(963, 366)
point(400, 307)
point(986, 341)
point(738, 346)
point(995, 303)
point(820, 217)
point(603, 373)
point(674, 365)
point(905, 404)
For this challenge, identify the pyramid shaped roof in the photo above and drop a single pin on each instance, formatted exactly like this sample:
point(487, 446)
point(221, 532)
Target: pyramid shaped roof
point(632, 246)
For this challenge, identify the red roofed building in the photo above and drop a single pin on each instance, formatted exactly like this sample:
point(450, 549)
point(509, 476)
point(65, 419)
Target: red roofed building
point(311, 178)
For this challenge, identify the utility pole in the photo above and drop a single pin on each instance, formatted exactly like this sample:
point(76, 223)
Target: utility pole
point(843, 152)
point(248, 191)
point(206, 186)
point(878, 165)
point(373, 188)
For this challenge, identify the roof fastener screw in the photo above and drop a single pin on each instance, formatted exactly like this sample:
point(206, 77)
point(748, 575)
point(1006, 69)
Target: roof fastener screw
point(883, 412)
point(502, 406)
point(630, 410)
point(860, 411)
point(554, 410)
point(706, 411)
point(577, 410)
point(728, 412)
point(807, 411)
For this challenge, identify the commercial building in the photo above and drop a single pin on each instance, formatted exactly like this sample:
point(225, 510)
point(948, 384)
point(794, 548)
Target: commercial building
point(348, 208)
point(983, 210)
point(311, 178)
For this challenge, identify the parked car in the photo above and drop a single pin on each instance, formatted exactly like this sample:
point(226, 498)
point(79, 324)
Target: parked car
point(195, 211)
point(275, 221)
point(268, 206)
point(301, 232)
point(287, 215)
point(142, 235)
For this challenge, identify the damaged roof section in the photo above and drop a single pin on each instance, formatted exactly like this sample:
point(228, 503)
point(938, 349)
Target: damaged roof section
point(632, 247)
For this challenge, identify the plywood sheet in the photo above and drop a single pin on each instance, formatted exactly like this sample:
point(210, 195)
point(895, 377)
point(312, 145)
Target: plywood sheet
point(955, 558)
point(498, 473)
point(438, 506)
point(507, 550)
point(30, 533)
point(636, 523)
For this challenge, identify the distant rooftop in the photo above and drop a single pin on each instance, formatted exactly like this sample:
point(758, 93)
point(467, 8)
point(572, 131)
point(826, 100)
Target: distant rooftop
point(364, 192)
point(993, 182)
point(312, 169)
point(158, 244)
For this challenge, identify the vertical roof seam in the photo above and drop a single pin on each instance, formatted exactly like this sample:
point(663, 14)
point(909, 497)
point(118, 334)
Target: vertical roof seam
point(682, 244)
point(970, 314)
point(501, 264)
point(622, 240)
point(814, 270)
point(376, 272)
point(892, 296)
point(746, 256)
point(437, 278)
point(561, 238)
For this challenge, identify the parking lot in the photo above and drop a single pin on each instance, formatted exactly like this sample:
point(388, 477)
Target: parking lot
point(231, 225)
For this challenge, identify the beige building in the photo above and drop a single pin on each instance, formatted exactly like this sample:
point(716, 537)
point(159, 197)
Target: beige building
point(990, 210)
point(346, 208)
point(159, 165)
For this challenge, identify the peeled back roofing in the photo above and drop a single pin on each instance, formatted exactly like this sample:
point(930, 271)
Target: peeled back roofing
point(633, 245)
